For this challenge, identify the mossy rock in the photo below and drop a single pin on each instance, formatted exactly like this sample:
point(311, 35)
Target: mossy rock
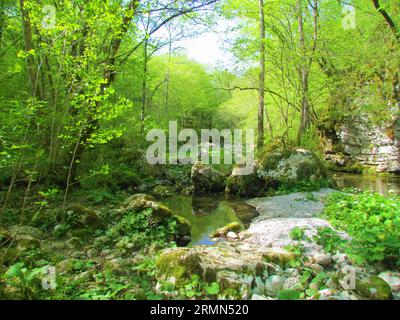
point(206, 179)
point(47, 218)
point(26, 242)
point(26, 230)
point(374, 288)
point(178, 265)
point(290, 165)
point(221, 232)
point(183, 226)
point(69, 265)
point(244, 185)
point(278, 256)
point(135, 201)
point(78, 216)
point(163, 191)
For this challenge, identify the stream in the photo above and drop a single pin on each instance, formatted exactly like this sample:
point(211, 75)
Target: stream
point(209, 213)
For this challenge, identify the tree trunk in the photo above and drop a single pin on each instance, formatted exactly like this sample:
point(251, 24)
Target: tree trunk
point(144, 87)
point(304, 75)
point(261, 86)
point(28, 46)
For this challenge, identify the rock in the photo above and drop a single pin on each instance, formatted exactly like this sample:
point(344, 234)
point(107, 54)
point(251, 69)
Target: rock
point(101, 241)
point(258, 297)
point(80, 217)
point(183, 225)
point(47, 218)
point(322, 259)
point(293, 205)
point(26, 242)
point(136, 200)
point(244, 212)
point(232, 235)
point(374, 288)
point(188, 191)
point(178, 264)
point(363, 143)
point(273, 285)
point(206, 180)
point(92, 253)
point(276, 232)
point(289, 166)
point(85, 276)
point(68, 265)
point(142, 202)
point(117, 266)
point(26, 230)
point(392, 278)
point(221, 232)
point(245, 185)
point(230, 263)
point(163, 191)
point(74, 243)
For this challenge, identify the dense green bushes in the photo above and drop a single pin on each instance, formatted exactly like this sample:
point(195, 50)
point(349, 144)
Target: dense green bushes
point(373, 221)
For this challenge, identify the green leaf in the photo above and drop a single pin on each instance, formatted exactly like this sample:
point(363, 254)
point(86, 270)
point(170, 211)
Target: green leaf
point(288, 295)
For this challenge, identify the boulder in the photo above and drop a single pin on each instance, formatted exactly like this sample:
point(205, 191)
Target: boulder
point(205, 179)
point(232, 264)
point(289, 166)
point(245, 185)
point(222, 232)
point(26, 230)
point(183, 225)
point(374, 288)
point(80, 217)
point(392, 278)
point(26, 242)
point(163, 191)
point(178, 265)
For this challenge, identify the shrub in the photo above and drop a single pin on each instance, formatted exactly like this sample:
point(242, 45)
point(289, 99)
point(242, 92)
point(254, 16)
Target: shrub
point(373, 221)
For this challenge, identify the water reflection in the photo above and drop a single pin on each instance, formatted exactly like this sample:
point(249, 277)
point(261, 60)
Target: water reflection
point(381, 184)
point(209, 213)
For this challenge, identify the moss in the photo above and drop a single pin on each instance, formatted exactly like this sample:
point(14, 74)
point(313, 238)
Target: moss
point(374, 288)
point(163, 191)
point(78, 216)
point(280, 257)
point(26, 242)
point(183, 225)
point(231, 227)
point(245, 185)
point(179, 264)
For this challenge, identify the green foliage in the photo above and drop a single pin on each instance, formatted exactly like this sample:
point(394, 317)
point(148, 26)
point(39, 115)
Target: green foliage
point(373, 221)
point(288, 295)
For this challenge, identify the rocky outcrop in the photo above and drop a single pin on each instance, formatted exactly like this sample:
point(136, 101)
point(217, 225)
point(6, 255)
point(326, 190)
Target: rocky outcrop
point(206, 180)
point(274, 168)
point(357, 141)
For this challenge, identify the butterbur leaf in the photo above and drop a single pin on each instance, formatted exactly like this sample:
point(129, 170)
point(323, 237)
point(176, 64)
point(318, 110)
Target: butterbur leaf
point(288, 295)
point(213, 288)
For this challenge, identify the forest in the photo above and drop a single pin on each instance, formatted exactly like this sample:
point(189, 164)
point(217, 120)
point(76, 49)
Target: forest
point(95, 206)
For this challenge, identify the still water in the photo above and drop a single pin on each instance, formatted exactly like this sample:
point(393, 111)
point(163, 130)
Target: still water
point(209, 213)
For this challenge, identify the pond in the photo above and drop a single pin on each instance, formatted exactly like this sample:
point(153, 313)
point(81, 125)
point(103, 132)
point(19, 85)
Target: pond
point(209, 213)
point(212, 212)
point(378, 183)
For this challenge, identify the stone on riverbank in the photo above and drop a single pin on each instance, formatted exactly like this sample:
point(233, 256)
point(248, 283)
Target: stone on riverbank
point(206, 180)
